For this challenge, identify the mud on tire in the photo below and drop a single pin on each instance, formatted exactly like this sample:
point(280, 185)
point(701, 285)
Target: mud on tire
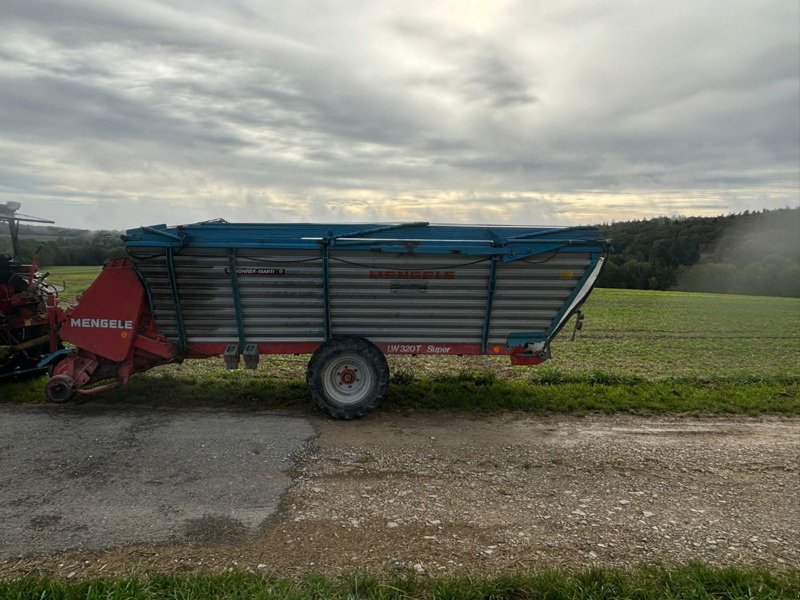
point(347, 377)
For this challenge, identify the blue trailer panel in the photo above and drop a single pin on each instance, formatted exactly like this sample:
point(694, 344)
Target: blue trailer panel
point(395, 284)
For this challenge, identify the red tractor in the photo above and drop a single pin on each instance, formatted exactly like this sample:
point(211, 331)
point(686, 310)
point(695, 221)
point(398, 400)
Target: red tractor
point(26, 334)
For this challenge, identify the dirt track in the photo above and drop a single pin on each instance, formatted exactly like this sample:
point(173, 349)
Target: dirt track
point(435, 493)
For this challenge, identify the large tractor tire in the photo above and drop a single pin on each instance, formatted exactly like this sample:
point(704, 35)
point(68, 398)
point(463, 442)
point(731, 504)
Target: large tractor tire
point(347, 377)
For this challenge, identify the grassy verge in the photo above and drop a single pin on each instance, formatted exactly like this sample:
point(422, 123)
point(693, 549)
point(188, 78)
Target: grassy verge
point(599, 393)
point(693, 581)
point(542, 392)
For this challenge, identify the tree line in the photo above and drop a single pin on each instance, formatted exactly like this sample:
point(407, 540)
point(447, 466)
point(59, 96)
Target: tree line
point(57, 246)
point(746, 253)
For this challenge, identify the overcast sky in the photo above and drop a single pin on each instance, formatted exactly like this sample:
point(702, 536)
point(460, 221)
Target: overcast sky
point(115, 114)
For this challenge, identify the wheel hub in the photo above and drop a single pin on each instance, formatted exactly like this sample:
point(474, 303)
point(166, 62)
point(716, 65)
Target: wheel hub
point(348, 376)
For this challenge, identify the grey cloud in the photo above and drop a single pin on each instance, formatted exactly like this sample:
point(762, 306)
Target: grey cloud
point(485, 80)
point(169, 25)
point(477, 69)
point(68, 110)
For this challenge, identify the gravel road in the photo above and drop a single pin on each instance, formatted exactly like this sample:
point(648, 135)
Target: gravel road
point(440, 493)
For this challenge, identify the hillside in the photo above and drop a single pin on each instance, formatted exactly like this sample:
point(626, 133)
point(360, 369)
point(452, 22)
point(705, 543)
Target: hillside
point(748, 253)
point(61, 246)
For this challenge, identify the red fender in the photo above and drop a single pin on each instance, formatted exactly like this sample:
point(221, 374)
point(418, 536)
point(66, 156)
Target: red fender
point(104, 321)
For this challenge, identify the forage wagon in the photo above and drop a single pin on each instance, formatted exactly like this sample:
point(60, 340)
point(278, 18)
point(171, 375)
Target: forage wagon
point(348, 294)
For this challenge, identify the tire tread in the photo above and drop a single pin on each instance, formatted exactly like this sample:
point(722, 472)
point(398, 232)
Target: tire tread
point(329, 350)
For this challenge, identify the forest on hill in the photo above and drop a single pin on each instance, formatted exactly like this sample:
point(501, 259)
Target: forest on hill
point(59, 246)
point(748, 253)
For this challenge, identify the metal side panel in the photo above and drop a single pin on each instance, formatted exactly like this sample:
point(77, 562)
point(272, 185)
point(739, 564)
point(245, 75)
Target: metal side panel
point(388, 298)
point(151, 263)
point(408, 298)
point(529, 294)
point(280, 294)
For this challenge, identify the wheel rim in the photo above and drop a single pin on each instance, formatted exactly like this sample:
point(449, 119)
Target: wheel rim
point(347, 379)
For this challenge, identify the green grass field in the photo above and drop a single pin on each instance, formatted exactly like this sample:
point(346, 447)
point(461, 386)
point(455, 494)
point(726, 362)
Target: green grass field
point(77, 279)
point(639, 351)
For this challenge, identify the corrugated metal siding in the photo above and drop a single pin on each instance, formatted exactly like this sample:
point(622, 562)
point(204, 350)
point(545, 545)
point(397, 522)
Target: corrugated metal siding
point(386, 298)
point(275, 308)
point(529, 293)
point(391, 298)
point(152, 266)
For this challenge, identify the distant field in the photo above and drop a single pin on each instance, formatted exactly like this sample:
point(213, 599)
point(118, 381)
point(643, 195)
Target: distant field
point(667, 334)
point(77, 280)
point(639, 350)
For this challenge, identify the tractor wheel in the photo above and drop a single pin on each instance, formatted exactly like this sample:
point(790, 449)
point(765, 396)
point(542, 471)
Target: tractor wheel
point(347, 377)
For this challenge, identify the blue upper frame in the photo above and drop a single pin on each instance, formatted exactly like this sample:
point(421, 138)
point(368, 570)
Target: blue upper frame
point(508, 243)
